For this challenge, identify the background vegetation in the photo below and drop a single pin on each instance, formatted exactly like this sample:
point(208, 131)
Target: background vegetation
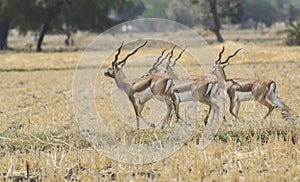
point(41, 17)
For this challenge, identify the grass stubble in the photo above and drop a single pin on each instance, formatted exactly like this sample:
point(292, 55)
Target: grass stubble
point(40, 139)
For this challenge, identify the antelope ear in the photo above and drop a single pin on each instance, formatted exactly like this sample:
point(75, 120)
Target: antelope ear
point(122, 64)
point(217, 62)
point(224, 65)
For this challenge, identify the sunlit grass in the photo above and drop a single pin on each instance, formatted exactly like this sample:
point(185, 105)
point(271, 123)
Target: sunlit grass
point(40, 140)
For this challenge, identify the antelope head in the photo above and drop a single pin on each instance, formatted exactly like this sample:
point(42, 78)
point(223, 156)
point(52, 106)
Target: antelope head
point(117, 65)
point(218, 67)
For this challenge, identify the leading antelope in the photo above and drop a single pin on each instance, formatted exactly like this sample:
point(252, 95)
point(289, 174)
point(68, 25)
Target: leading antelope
point(141, 90)
point(264, 91)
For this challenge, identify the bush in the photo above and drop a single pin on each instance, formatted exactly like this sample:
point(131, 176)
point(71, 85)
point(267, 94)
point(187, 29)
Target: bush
point(293, 33)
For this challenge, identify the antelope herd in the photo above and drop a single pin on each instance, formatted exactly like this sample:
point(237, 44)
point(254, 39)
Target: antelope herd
point(172, 89)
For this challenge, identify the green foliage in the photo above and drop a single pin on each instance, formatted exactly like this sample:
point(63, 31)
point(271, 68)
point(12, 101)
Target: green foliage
point(155, 8)
point(293, 33)
point(178, 11)
point(63, 16)
point(264, 11)
point(136, 9)
point(80, 14)
point(228, 11)
point(232, 10)
point(16, 12)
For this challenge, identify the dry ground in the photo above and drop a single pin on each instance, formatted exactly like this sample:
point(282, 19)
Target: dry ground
point(40, 140)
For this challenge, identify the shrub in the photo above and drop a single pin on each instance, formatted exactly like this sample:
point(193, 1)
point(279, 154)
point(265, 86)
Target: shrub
point(293, 33)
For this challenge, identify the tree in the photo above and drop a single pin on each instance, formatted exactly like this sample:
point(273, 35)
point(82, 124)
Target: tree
point(263, 11)
point(136, 9)
point(217, 23)
point(155, 8)
point(4, 27)
point(49, 10)
point(215, 12)
point(68, 16)
point(65, 16)
point(179, 12)
point(11, 13)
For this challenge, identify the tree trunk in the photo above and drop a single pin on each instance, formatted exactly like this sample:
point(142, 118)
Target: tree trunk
point(67, 41)
point(43, 31)
point(68, 34)
point(217, 27)
point(4, 27)
point(51, 12)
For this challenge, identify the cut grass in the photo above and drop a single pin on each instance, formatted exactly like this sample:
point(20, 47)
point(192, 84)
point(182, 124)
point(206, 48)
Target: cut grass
point(40, 139)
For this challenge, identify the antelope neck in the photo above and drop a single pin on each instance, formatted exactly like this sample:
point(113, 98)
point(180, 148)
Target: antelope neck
point(120, 78)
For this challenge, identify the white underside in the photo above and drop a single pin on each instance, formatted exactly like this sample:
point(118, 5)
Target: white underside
point(184, 96)
point(243, 96)
point(143, 96)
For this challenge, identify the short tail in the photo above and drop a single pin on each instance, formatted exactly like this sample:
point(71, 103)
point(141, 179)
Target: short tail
point(273, 91)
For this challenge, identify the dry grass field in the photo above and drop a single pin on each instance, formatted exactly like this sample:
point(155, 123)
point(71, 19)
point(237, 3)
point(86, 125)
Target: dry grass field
point(39, 138)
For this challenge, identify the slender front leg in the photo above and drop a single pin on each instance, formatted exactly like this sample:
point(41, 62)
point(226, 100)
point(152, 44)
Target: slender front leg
point(137, 115)
point(176, 102)
point(207, 115)
point(170, 110)
point(236, 107)
point(138, 107)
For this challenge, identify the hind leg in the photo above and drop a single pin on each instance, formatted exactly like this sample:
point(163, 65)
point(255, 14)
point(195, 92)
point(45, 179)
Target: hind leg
point(269, 106)
point(282, 106)
point(273, 98)
point(234, 104)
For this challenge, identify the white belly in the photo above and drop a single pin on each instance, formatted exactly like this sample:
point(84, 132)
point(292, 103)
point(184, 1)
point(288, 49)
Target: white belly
point(243, 96)
point(143, 96)
point(184, 96)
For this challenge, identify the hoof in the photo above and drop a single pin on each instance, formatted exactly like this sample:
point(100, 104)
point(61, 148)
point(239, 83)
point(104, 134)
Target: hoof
point(152, 125)
point(179, 120)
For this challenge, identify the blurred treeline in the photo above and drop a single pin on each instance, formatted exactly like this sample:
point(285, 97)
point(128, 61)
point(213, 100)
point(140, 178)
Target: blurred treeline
point(69, 16)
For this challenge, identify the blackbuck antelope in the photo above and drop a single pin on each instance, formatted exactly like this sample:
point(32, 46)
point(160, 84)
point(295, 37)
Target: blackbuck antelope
point(194, 88)
point(264, 91)
point(141, 90)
